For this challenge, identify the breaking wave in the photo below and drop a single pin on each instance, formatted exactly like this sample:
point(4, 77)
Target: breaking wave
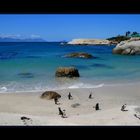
point(18, 87)
point(82, 85)
point(15, 87)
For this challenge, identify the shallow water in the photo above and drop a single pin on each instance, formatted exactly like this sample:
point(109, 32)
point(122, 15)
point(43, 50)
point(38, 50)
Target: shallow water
point(41, 60)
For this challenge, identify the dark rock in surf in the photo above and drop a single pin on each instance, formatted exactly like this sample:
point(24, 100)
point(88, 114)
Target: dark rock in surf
point(69, 72)
point(79, 55)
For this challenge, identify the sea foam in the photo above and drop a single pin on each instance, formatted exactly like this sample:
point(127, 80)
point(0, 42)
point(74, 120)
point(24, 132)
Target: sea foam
point(3, 89)
point(39, 88)
point(82, 85)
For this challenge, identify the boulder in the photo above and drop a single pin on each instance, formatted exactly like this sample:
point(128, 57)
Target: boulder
point(79, 55)
point(67, 72)
point(50, 95)
point(128, 47)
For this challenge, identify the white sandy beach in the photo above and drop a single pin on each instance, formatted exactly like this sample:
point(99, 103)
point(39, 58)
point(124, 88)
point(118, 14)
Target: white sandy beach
point(13, 106)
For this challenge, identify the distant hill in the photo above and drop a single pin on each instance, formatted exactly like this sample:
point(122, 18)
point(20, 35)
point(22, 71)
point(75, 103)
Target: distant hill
point(8, 39)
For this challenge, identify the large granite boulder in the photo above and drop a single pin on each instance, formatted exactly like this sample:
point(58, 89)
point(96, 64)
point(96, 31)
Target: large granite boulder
point(67, 72)
point(128, 47)
point(79, 55)
point(50, 95)
point(89, 42)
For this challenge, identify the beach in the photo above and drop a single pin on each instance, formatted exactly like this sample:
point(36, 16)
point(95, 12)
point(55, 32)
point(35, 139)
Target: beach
point(44, 112)
point(28, 69)
point(46, 59)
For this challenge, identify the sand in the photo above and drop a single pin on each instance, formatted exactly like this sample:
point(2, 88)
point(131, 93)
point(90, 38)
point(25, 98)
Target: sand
point(13, 106)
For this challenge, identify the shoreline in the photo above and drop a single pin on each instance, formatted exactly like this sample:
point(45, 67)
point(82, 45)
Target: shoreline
point(44, 112)
point(78, 85)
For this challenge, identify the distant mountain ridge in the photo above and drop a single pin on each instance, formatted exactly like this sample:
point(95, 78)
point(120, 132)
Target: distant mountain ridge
point(10, 39)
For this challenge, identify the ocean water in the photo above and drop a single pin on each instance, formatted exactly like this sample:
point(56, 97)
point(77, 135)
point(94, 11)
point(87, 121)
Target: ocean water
point(32, 66)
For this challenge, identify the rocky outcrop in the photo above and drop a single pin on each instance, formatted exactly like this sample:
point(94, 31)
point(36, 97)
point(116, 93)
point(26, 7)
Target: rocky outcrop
point(50, 95)
point(128, 47)
point(67, 72)
point(89, 42)
point(79, 55)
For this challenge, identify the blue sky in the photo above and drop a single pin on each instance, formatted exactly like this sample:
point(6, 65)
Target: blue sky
point(57, 27)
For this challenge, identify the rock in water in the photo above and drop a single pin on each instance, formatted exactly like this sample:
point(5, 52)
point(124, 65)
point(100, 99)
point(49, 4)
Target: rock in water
point(50, 95)
point(79, 55)
point(128, 47)
point(67, 72)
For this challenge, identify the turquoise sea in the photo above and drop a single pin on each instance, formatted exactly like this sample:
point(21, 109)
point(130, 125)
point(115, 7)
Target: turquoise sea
point(31, 67)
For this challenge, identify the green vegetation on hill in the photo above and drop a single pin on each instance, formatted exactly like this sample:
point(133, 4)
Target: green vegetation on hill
point(118, 38)
point(127, 36)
